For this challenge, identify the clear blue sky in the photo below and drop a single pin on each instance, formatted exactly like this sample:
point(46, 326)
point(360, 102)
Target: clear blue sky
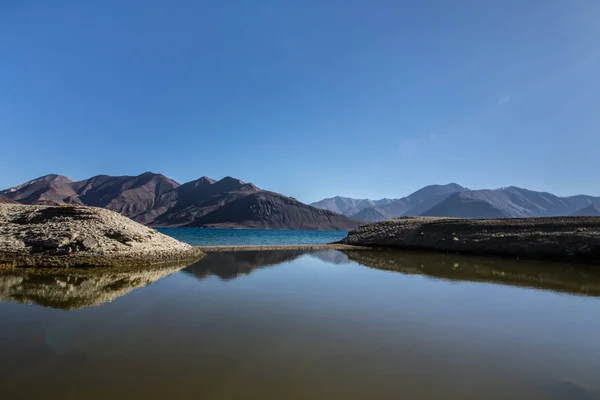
point(312, 99)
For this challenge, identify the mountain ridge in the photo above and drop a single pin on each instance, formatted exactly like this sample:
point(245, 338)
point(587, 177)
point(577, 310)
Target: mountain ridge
point(154, 199)
point(510, 201)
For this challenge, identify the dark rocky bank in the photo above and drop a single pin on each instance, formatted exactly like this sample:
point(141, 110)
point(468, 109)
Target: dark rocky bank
point(574, 239)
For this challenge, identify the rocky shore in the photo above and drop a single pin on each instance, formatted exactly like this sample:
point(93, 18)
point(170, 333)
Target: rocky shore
point(79, 236)
point(563, 238)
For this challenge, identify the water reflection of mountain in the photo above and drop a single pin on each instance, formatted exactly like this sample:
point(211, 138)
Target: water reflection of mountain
point(77, 288)
point(559, 277)
point(331, 256)
point(230, 265)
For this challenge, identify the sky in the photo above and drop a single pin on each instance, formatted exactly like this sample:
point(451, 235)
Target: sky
point(367, 99)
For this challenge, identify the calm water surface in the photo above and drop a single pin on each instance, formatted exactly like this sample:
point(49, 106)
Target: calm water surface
point(297, 325)
point(265, 237)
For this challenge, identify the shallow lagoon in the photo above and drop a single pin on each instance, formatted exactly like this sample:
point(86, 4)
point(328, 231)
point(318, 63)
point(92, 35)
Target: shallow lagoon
point(298, 325)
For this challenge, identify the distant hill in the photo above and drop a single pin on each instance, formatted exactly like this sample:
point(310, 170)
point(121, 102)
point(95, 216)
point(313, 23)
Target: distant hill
point(372, 214)
point(510, 201)
point(348, 206)
point(590, 211)
point(157, 200)
point(463, 205)
point(421, 200)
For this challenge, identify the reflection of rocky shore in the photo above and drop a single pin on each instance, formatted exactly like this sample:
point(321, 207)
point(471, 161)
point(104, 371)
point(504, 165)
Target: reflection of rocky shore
point(230, 265)
point(560, 277)
point(75, 288)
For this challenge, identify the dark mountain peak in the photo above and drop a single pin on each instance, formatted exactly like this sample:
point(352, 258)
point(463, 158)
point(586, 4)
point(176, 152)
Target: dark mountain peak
point(230, 180)
point(53, 178)
point(264, 209)
point(446, 188)
point(205, 179)
point(48, 189)
point(436, 190)
point(227, 184)
point(43, 180)
point(250, 186)
point(591, 210)
point(159, 179)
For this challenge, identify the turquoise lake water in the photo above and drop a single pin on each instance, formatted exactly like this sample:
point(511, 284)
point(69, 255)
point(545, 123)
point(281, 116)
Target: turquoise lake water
point(251, 237)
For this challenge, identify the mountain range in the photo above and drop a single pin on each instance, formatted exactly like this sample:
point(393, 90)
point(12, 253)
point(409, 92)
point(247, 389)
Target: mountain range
point(156, 200)
point(454, 200)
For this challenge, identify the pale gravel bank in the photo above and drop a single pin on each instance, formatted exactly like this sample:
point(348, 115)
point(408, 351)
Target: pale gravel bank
point(562, 238)
point(79, 236)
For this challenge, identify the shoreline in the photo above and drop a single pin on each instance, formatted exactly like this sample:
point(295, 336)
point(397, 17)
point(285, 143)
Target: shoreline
point(308, 247)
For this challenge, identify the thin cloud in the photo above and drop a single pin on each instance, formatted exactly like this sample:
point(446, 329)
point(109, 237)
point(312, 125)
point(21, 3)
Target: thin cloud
point(432, 137)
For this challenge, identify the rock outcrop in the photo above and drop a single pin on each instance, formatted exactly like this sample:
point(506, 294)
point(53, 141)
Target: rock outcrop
point(78, 236)
point(564, 238)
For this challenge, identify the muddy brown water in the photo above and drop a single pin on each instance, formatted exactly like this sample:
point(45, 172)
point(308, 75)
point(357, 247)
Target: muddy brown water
point(306, 325)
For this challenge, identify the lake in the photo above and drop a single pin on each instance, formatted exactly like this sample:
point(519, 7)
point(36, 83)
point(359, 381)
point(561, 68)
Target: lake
point(251, 237)
point(305, 325)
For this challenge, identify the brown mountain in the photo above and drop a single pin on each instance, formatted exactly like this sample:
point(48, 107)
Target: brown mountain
point(128, 195)
point(262, 209)
point(154, 199)
point(47, 190)
point(4, 199)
